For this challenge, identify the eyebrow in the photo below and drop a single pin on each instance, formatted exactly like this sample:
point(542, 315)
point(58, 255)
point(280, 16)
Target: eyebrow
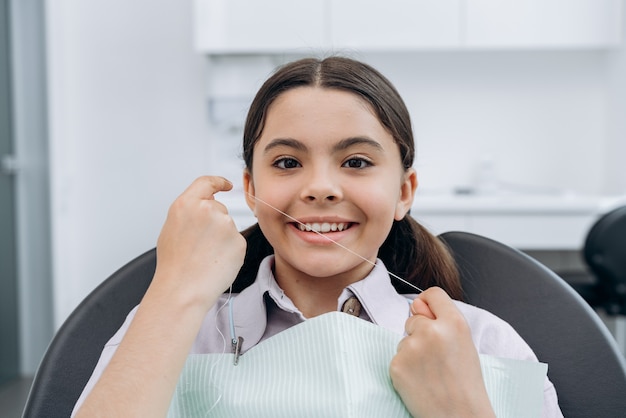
point(285, 142)
point(357, 140)
point(340, 146)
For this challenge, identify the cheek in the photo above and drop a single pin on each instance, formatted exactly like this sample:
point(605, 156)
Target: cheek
point(264, 212)
point(270, 221)
point(381, 197)
point(379, 209)
point(272, 205)
point(381, 206)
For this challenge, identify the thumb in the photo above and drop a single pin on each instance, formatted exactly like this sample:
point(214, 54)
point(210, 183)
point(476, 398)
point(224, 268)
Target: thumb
point(419, 307)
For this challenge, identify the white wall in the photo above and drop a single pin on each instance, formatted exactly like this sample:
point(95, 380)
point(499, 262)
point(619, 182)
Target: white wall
point(616, 150)
point(127, 132)
point(542, 116)
point(129, 127)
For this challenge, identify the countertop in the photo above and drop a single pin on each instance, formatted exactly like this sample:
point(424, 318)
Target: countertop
point(515, 203)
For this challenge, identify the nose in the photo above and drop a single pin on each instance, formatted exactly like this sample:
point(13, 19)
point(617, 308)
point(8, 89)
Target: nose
point(322, 186)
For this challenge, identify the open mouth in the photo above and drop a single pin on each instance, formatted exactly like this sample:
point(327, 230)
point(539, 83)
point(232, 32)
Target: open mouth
point(324, 227)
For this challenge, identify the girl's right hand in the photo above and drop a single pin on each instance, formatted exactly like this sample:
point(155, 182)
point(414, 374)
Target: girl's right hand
point(199, 250)
point(199, 254)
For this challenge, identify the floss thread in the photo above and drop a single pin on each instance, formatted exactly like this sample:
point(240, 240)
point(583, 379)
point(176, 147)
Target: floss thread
point(334, 242)
point(320, 234)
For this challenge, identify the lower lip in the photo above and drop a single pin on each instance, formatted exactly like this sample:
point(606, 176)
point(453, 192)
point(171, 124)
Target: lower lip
point(327, 238)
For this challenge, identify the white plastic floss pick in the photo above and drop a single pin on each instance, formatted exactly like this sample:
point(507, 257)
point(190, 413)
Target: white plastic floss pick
point(334, 242)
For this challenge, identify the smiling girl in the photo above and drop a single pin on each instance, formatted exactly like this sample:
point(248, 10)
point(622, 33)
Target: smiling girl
point(329, 151)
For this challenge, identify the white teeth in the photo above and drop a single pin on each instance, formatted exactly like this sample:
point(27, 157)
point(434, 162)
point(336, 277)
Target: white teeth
point(323, 227)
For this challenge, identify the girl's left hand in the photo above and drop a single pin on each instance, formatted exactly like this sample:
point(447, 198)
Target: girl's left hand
point(436, 370)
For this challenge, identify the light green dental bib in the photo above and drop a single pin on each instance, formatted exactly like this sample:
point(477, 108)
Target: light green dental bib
point(334, 365)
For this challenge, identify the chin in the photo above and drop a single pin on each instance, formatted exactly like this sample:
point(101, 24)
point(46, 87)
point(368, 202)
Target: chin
point(329, 267)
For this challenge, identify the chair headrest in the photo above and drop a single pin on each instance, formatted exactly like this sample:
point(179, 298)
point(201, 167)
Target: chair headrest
point(605, 247)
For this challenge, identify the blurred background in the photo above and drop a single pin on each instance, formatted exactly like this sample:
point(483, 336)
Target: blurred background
point(109, 109)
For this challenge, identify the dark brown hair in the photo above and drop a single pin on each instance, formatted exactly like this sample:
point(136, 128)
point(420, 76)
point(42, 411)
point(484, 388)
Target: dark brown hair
point(409, 251)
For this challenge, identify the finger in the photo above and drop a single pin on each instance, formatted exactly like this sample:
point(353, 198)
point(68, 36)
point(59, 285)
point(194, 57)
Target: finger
point(437, 302)
point(207, 186)
point(415, 323)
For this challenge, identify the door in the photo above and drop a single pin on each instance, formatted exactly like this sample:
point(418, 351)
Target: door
point(9, 354)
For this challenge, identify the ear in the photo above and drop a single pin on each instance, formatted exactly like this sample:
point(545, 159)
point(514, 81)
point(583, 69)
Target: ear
point(407, 193)
point(248, 188)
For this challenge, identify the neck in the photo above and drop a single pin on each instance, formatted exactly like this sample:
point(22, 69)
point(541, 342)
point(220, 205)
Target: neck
point(313, 295)
point(311, 299)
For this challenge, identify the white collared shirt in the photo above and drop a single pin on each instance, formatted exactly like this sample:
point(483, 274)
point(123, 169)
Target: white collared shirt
point(263, 310)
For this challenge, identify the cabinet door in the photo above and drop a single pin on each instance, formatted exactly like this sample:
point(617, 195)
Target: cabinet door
point(253, 26)
point(395, 24)
point(543, 23)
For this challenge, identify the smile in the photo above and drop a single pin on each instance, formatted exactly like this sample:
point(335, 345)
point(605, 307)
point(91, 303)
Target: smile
point(324, 227)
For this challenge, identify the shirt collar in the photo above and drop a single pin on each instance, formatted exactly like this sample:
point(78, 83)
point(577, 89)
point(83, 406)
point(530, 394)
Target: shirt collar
point(383, 305)
point(379, 299)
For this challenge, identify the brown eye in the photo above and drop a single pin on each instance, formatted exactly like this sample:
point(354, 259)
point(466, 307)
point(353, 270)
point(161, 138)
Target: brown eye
point(357, 163)
point(286, 163)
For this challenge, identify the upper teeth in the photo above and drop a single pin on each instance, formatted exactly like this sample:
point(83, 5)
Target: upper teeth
point(323, 227)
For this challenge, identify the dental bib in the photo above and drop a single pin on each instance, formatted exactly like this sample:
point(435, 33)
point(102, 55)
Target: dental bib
point(333, 365)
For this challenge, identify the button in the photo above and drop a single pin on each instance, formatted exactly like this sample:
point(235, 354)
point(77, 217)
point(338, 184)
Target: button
point(352, 306)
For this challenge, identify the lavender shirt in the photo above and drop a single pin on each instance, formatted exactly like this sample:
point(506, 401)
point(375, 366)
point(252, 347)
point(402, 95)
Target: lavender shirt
point(263, 310)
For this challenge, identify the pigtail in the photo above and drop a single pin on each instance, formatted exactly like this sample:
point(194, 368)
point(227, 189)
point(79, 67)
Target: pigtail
point(256, 250)
point(413, 253)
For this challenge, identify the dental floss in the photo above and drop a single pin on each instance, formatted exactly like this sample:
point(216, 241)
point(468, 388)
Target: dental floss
point(220, 358)
point(228, 301)
point(334, 242)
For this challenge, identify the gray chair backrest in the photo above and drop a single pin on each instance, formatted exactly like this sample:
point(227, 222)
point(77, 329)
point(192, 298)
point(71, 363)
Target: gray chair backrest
point(75, 349)
point(584, 362)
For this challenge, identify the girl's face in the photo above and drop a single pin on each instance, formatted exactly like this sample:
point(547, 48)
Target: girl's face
point(325, 159)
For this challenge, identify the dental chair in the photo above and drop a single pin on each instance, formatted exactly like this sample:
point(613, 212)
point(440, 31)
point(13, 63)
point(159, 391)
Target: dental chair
point(604, 253)
point(583, 360)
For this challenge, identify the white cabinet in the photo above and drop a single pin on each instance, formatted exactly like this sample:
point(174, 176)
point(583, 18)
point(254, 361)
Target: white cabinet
point(296, 26)
point(253, 26)
point(543, 23)
point(395, 24)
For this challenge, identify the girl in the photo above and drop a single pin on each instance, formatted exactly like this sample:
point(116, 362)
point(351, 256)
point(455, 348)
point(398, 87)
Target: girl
point(328, 149)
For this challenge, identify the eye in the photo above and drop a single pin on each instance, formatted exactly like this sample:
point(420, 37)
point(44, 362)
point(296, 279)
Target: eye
point(286, 163)
point(357, 162)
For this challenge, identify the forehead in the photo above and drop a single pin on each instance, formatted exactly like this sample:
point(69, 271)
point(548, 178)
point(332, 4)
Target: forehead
point(305, 99)
point(316, 111)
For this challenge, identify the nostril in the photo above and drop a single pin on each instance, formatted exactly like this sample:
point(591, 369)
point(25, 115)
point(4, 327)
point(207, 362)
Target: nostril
point(331, 198)
point(321, 196)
